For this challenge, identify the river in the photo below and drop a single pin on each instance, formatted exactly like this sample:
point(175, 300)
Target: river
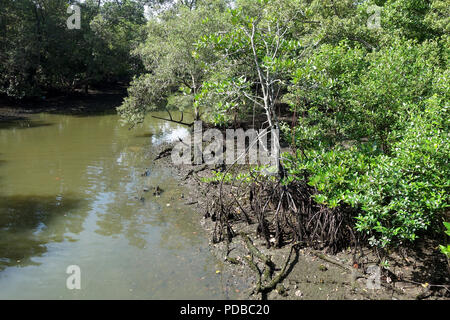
point(71, 193)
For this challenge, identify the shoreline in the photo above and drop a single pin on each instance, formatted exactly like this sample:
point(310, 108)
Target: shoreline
point(312, 274)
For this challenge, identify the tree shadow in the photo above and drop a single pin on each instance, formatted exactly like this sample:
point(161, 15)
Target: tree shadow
point(430, 265)
point(26, 226)
point(23, 124)
point(422, 263)
point(94, 104)
point(85, 112)
point(145, 135)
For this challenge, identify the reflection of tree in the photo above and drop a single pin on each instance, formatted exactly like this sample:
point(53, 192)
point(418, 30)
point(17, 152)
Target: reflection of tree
point(120, 213)
point(25, 221)
point(116, 206)
point(97, 157)
point(126, 214)
point(176, 228)
point(23, 124)
point(127, 222)
point(180, 229)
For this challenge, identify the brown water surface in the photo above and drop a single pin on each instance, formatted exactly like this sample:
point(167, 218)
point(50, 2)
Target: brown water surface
point(71, 194)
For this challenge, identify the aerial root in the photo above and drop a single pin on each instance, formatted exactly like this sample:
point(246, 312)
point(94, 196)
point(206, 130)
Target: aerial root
point(266, 282)
point(282, 214)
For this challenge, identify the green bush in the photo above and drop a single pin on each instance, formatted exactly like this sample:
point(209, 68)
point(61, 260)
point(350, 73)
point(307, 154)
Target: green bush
point(446, 249)
point(374, 134)
point(399, 195)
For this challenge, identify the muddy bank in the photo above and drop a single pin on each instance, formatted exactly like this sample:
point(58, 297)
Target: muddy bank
point(415, 272)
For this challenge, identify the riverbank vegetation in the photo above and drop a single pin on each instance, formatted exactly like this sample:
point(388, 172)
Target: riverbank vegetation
point(359, 91)
point(40, 55)
point(364, 109)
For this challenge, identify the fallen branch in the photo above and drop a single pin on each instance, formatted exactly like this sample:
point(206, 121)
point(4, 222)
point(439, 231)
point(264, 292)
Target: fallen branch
point(253, 250)
point(255, 268)
point(281, 275)
point(164, 153)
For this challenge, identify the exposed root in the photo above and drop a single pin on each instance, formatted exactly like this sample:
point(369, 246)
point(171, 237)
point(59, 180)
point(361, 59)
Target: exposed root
point(282, 214)
point(266, 282)
point(164, 153)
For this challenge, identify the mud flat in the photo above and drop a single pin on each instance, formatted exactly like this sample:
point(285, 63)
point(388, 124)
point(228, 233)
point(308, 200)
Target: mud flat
point(302, 273)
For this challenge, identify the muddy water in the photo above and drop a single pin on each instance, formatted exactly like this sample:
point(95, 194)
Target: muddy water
point(71, 193)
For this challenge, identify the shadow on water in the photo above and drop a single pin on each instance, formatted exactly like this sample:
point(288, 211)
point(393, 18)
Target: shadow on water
point(145, 135)
point(94, 104)
point(83, 113)
point(23, 124)
point(26, 226)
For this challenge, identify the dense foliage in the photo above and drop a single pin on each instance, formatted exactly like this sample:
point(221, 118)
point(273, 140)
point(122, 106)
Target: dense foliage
point(376, 134)
point(175, 66)
point(40, 53)
point(371, 127)
point(366, 84)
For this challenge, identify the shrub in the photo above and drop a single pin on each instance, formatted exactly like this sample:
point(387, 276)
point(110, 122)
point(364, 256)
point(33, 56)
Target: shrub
point(400, 194)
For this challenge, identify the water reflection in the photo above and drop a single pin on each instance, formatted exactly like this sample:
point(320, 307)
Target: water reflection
point(73, 193)
point(25, 225)
point(167, 133)
point(145, 135)
point(95, 159)
point(133, 212)
point(23, 124)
